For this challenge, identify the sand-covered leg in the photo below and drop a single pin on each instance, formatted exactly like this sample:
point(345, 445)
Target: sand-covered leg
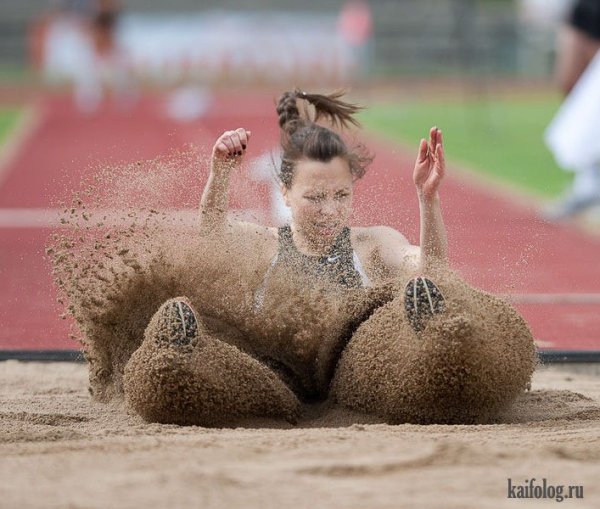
point(465, 363)
point(183, 375)
point(356, 307)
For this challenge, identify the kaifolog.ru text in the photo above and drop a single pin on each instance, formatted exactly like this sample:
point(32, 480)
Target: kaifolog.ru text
point(533, 489)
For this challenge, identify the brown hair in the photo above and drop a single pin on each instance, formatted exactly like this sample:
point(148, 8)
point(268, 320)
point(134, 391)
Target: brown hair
point(303, 138)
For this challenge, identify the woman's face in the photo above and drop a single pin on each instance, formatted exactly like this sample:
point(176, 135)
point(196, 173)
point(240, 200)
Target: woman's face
point(320, 199)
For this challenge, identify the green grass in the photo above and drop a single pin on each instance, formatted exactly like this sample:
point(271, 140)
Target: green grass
point(8, 120)
point(502, 138)
point(15, 74)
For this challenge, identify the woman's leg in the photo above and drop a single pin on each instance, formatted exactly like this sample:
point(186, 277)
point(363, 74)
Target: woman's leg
point(183, 375)
point(463, 363)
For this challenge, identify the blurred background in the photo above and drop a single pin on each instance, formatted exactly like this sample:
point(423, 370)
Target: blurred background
point(511, 38)
point(484, 66)
point(87, 82)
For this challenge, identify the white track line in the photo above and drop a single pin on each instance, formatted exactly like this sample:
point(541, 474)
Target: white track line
point(553, 298)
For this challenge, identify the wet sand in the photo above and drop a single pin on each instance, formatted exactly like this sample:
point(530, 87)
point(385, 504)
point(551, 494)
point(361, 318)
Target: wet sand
point(60, 448)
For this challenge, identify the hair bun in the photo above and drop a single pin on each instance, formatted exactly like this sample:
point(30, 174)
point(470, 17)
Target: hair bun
point(289, 114)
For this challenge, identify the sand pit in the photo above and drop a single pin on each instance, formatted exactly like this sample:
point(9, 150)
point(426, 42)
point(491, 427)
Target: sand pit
point(60, 448)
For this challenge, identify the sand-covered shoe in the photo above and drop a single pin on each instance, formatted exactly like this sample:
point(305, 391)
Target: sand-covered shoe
point(175, 323)
point(422, 300)
point(467, 365)
point(182, 374)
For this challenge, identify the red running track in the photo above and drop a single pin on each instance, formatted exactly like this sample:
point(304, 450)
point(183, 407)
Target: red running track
point(552, 271)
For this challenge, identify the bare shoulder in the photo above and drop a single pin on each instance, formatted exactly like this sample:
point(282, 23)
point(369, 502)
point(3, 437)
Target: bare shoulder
point(254, 231)
point(377, 236)
point(384, 251)
point(253, 238)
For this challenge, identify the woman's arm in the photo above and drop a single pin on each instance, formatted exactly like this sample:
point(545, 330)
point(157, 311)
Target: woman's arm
point(396, 254)
point(434, 243)
point(429, 171)
point(226, 156)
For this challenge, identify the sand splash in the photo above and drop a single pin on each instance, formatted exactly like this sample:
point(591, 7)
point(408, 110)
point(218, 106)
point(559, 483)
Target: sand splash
point(124, 250)
point(467, 366)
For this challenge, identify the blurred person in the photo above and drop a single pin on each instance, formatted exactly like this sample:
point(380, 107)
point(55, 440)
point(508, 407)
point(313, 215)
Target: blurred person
point(571, 135)
point(110, 60)
point(62, 48)
point(104, 24)
point(77, 40)
point(578, 42)
point(355, 24)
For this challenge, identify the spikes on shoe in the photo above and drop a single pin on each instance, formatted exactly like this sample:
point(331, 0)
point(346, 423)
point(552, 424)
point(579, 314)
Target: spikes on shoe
point(422, 300)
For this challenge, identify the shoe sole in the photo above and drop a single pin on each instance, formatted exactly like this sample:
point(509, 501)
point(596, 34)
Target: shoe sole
point(422, 300)
point(186, 323)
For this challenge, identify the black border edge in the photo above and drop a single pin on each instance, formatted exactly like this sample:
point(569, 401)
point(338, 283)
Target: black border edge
point(568, 356)
point(545, 356)
point(42, 355)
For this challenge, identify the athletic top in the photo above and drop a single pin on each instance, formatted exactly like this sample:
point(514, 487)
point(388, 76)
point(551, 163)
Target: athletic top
point(340, 266)
point(585, 16)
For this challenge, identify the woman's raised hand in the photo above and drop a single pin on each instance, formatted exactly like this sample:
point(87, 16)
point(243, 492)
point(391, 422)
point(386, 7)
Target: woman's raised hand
point(230, 147)
point(430, 167)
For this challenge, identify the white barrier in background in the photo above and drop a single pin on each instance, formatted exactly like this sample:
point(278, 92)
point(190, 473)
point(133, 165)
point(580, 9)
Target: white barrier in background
point(167, 48)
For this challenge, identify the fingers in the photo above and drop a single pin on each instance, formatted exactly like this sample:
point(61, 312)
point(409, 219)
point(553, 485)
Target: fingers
point(439, 152)
point(441, 162)
point(422, 151)
point(222, 148)
point(435, 139)
point(243, 136)
point(226, 140)
point(431, 165)
point(232, 143)
point(432, 140)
